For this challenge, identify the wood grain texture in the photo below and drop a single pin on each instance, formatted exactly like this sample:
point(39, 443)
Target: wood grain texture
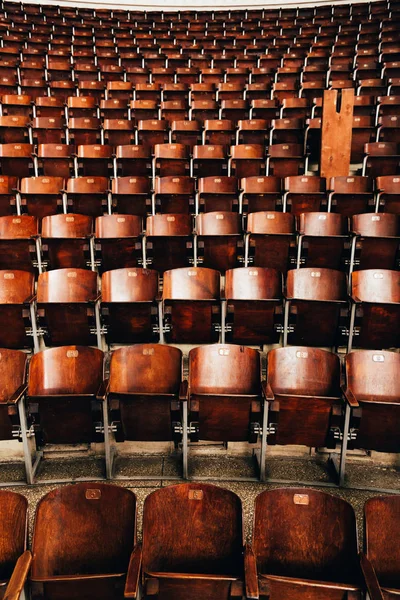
point(336, 133)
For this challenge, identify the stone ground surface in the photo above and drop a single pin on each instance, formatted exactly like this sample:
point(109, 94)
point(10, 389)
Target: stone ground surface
point(162, 468)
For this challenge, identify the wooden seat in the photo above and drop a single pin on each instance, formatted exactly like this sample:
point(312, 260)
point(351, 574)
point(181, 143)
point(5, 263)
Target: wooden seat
point(191, 305)
point(117, 241)
point(12, 373)
point(388, 193)
point(94, 160)
point(15, 559)
point(219, 240)
point(131, 195)
point(55, 160)
point(284, 160)
point(151, 132)
point(304, 194)
point(18, 243)
point(270, 240)
point(350, 195)
point(253, 131)
point(8, 192)
point(372, 393)
point(48, 130)
point(67, 301)
point(134, 161)
point(41, 196)
point(381, 159)
point(186, 132)
point(143, 110)
point(118, 131)
point(375, 316)
point(253, 305)
point(171, 160)
point(84, 130)
point(16, 160)
point(217, 193)
point(16, 297)
point(66, 241)
point(174, 194)
point(260, 194)
point(102, 517)
point(129, 305)
point(87, 195)
point(323, 241)
point(14, 130)
point(81, 107)
point(246, 160)
point(172, 564)
point(169, 243)
point(381, 560)
point(315, 296)
point(219, 132)
point(376, 241)
point(287, 524)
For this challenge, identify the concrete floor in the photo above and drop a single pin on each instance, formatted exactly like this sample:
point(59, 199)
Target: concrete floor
point(284, 468)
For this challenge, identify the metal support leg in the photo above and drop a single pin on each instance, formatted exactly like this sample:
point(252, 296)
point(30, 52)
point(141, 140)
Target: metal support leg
point(343, 450)
point(161, 321)
point(185, 439)
point(144, 253)
point(107, 446)
point(32, 310)
point(263, 448)
point(100, 344)
point(223, 320)
point(286, 322)
point(92, 259)
point(39, 255)
point(351, 328)
point(25, 442)
point(299, 248)
point(246, 249)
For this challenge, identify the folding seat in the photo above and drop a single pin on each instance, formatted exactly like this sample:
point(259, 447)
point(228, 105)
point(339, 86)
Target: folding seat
point(376, 241)
point(87, 195)
point(253, 297)
point(372, 87)
point(363, 132)
point(304, 194)
point(246, 160)
point(19, 246)
point(215, 515)
point(61, 89)
point(66, 241)
point(143, 110)
point(131, 195)
point(129, 305)
point(364, 106)
point(68, 307)
point(94, 160)
point(219, 132)
point(288, 131)
point(136, 391)
point(375, 311)
point(217, 193)
point(174, 194)
point(16, 105)
point(259, 194)
point(85, 69)
point(33, 87)
point(282, 90)
point(209, 161)
point(191, 305)
point(8, 84)
point(254, 131)
point(169, 242)
point(389, 129)
point(118, 241)
point(219, 240)
point(47, 130)
point(118, 132)
point(314, 567)
point(387, 106)
point(171, 160)
point(8, 193)
point(270, 240)
point(234, 110)
point(41, 196)
point(55, 160)
point(202, 91)
point(185, 132)
point(174, 110)
point(316, 310)
point(119, 90)
point(203, 110)
point(284, 160)
point(15, 559)
point(388, 194)
point(81, 107)
point(350, 195)
point(17, 289)
point(59, 68)
point(381, 159)
point(256, 91)
point(14, 130)
point(133, 161)
point(393, 86)
point(148, 91)
point(152, 132)
point(323, 241)
point(83, 131)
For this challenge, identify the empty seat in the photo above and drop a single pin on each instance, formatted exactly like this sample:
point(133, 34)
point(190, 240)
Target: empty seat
point(169, 242)
point(17, 290)
point(174, 194)
point(8, 192)
point(94, 160)
point(324, 523)
point(84, 130)
point(373, 395)
point(15, 560)
point(191, 305)
point(284, 160)
point(260, 194)
point(219, 240)
point(55, 160)
point(253, 305)
point(388, 193)
point(16, 104)
point(133, 160)
point(152, 132)
point(388, 129)
point(48, 130)
point(287, 131)
point(171, 160)
point(129, 305)
point(381, 158)
point(19, 242)
point(108, 512)
point(49, 106)
point(179, 569)
point(118, 241)
point(12, 375)
point(270, 240)
point(246, 161)
point(316, 310)
point(323, 241)
point(350, 195)
point(81, 107)
point(142, 110)
point(143, 394)
point(253, 131)
point(66, 241)
point(375, 313)
point(41, 196)
point(376, 241)
point(304, 194)
point(118, 132)
point(87, 195)
point(14, 130)
point(16, 160)
point(68, 307)
point(186, 132)
point(131, 195)
point(209, 160)
point(218, 132)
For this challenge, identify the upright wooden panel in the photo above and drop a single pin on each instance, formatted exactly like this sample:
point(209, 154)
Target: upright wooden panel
point(336, 133)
